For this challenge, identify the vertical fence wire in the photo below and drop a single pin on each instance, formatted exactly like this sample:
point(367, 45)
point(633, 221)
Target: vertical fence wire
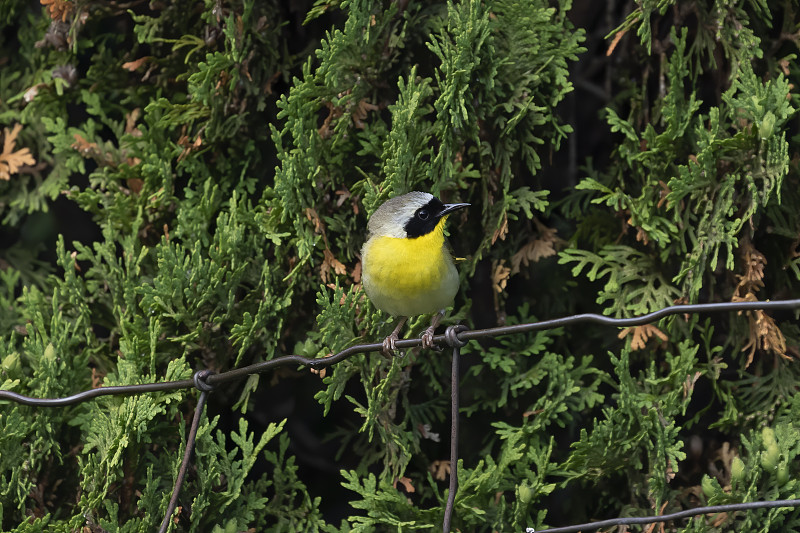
point(205, 389)
point(456, 343)
point(452, 339)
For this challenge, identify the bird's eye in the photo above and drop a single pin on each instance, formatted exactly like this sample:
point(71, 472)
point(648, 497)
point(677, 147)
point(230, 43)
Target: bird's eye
point(423, 214)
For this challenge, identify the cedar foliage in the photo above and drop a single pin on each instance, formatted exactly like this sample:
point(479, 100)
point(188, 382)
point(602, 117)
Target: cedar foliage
point(185, 185)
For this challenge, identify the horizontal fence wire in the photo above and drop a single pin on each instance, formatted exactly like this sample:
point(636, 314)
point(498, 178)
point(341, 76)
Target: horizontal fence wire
point(688, 513)
point(456, 337)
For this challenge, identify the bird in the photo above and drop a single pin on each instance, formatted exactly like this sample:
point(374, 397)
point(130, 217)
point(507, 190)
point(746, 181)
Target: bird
point(406, 265)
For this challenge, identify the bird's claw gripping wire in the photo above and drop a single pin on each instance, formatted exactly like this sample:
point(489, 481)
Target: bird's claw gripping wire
point(389, 345)
point(427, 335)
point(427, 339)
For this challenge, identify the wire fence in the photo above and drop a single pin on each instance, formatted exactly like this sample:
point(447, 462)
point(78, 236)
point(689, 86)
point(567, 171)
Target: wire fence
point(455, 337)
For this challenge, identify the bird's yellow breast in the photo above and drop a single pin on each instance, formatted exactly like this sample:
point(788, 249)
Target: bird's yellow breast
point(407, 277)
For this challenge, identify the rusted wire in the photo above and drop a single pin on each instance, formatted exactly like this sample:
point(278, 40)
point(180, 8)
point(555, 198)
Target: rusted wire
point(456, 337)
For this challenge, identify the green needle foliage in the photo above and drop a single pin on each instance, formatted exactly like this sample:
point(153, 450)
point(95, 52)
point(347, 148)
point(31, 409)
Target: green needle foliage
point(186, 185)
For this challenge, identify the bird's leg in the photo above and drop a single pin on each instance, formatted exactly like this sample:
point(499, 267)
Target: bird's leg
point(389, 342)
point(427, 335)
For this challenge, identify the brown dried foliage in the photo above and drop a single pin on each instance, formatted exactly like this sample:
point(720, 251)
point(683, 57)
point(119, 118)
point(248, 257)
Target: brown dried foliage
point(440, 469)
point(541, 246)
point(12, 160)
point(58, 9)
point(328, 263)
point(641, 334)
point(763, 332)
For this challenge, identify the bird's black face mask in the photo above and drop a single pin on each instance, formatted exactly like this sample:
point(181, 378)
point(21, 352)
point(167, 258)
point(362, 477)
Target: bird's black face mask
point(425, 219)
point(428, 216)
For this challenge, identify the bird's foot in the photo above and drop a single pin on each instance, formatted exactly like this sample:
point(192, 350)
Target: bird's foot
point(427, 339)
point(389, 345)
point(427, 335)
point(389, 342)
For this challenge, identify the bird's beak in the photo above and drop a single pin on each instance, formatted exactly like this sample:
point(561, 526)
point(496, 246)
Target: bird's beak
point(449, 208)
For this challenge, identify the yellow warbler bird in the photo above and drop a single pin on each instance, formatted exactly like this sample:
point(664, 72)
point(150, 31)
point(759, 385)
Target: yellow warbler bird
point(407, 269)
